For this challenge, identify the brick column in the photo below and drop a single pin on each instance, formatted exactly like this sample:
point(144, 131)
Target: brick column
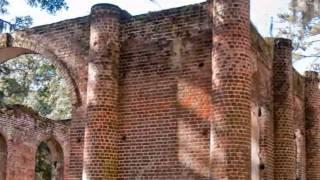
point(231, 91)
point(101, 134)
point(312, 112)
point(284, 142)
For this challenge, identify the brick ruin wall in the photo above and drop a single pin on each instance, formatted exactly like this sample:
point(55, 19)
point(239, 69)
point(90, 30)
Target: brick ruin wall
point(165, 81)
point(22, 131)
point(159, 67)
point(66, 45)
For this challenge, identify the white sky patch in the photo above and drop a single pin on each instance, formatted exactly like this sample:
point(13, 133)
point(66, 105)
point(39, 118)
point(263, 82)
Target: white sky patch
point(78, 8)
point(261, 10)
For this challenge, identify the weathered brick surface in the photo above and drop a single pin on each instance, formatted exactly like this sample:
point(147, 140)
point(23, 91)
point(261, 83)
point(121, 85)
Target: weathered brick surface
point(23, 130)
point(284, 150)
point(231, 91)
point(262, 142)
point(187, 93)
point(66, 45)
point(101, 135)
point(312, 105)
point(299, 125)
point(165, 95)
point(3, 157)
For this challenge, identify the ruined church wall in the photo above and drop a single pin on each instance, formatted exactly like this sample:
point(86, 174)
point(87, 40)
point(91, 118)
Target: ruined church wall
point(165, 94)
point(299, 125)
point(165, 80)
point(23, 131)
point(265, 105)
point(262, 146)
point(165, 84)
point(165, 98)
point(66, 45)
point(270, 67)
point(69, 42)
point(312, 111)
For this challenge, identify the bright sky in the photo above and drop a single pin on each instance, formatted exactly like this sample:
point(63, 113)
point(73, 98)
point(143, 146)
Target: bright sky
point(261, 11)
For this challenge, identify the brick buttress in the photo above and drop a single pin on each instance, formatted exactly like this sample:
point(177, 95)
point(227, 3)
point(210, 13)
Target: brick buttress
point(284, 142)
point(101, 135)
point(312, 111)
point(231, 90)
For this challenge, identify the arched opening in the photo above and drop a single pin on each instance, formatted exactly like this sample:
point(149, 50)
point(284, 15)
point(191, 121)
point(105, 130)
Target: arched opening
point(20, 47)
point(3, 158)
point(49, 161)
point(36, 82)
point(71, 65)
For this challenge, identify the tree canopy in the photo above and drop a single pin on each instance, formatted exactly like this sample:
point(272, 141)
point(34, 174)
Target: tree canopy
point(51, 6)
point(302, 25)
point(33, 81)
point(21, 22)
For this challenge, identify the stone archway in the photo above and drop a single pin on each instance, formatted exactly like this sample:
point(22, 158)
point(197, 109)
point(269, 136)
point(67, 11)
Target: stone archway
point(3, 158)
point(49, 161)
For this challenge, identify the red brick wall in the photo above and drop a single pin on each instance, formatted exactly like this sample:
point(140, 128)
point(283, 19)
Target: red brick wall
point(312, 105)
point(160, 85)
point(262, 142)
point(284, 149)
point(23, 131)
point(68, 41)
point(231, 90)
point(165, 95)
point(3, 157)
point(66, 45)
point(101, 135)
point(299, 118)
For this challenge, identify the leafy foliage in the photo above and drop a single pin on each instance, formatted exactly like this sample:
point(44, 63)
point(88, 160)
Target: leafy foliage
point(22, 22)
point(3, 4)
point(302, 25)
point(51, 6)
point(43, 162)
point(302, 22)
point(304, 11)
point(32, 81)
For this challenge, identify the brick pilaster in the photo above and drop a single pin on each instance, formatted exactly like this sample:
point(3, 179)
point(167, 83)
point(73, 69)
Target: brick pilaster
point(231, 90)
point(284, 148)
point(101, 134)
point(312, 113)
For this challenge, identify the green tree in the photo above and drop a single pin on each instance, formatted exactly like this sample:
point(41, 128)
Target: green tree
point(32, 81)
point(302, 24)
point(51, 6)
point(43, 163)
point(21, 22)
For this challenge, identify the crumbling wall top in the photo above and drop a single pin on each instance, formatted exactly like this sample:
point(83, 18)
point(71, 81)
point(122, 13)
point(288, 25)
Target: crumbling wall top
point(20, 110)
point(311, 75)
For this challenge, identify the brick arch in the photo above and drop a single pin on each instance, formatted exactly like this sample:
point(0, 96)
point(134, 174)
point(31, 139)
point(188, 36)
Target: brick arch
point(57, 151)
point(55, 138)
point(16, 44)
